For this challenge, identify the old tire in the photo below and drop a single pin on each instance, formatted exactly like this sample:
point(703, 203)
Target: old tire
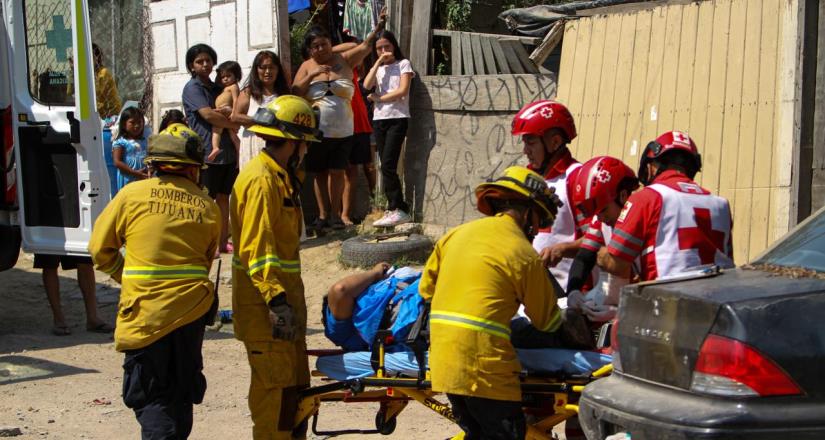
point(365, 251)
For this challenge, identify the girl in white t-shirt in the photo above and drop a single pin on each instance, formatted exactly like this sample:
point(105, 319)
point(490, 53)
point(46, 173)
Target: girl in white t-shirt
point(391, 76)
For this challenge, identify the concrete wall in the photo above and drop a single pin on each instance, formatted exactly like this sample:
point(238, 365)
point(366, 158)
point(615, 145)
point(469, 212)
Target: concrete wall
point(725, 71)
point(237, 30)
point(459, 136)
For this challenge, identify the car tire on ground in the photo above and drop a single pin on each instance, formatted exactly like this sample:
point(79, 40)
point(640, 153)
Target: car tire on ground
point(368, 250)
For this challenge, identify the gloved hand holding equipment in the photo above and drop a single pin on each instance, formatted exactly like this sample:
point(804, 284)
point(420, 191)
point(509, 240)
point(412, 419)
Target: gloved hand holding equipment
point(282, 319)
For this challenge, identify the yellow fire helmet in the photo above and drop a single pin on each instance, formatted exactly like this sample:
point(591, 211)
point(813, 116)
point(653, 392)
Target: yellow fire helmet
point(288, 117)
point(177, 144)
point(519, 183)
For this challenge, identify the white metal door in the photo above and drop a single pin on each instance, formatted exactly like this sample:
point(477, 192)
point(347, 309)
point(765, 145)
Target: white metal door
point(62, 178)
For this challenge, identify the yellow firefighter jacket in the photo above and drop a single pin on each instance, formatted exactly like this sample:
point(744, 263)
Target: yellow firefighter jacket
point(476, 278)
point(266, 230)
point(170, 229)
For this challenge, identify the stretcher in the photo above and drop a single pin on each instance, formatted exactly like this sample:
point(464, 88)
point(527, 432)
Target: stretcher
point(551, 383)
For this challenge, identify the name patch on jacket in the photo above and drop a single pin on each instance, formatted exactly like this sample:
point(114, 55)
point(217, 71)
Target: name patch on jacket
point(176, 203)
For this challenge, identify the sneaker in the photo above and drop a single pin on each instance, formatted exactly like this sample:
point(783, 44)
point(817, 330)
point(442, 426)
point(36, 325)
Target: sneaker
point(393, 218)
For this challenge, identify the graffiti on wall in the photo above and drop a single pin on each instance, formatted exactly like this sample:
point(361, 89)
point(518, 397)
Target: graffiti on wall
point(460, 136)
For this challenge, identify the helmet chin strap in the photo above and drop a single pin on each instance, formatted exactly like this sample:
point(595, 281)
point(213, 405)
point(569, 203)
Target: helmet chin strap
point(549, 157)
point(527, 225)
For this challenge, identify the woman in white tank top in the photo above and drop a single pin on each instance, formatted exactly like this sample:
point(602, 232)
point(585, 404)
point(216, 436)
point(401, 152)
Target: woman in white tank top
point(266, 81)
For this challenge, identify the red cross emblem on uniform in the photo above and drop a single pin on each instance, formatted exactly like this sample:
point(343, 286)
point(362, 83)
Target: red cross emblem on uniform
point(702, 237)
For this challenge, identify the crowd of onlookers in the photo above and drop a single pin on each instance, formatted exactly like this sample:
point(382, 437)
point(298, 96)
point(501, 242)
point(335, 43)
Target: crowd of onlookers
point(360, 91)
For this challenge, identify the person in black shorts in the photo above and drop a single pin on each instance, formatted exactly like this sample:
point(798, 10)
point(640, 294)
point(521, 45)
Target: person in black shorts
point(86, 282)
point(361, 156)
point(201, 115)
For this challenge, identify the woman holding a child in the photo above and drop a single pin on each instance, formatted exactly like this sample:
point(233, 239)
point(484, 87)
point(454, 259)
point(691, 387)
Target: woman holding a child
point(198, 98)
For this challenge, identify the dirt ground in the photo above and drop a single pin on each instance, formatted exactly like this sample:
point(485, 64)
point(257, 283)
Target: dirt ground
point(69, 387)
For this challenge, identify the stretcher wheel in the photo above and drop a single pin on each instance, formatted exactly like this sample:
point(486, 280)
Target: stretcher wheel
point(385, 427)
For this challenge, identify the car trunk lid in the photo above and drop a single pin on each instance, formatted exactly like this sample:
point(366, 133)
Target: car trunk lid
point(662, 325)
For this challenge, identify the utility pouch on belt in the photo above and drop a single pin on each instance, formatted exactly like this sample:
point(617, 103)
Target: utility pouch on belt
point(213, 310)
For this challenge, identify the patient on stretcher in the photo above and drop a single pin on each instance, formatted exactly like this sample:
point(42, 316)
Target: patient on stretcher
point(358, 306)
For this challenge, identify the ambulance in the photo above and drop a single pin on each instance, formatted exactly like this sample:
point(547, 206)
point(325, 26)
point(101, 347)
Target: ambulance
point(54, 177)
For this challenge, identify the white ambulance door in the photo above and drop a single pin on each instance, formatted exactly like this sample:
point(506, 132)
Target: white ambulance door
point(62, 180)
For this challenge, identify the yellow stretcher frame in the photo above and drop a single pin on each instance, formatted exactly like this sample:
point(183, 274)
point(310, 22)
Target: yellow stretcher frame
point(394, 393)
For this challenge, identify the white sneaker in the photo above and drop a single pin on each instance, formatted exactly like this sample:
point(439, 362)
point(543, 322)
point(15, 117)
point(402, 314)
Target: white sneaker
point(393, 218)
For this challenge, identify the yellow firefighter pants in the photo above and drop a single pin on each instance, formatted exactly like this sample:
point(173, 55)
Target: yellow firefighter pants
point(279, 370)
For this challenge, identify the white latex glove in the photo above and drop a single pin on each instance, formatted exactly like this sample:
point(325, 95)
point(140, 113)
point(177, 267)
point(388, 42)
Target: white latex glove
point(599, 313)
point(575, 299)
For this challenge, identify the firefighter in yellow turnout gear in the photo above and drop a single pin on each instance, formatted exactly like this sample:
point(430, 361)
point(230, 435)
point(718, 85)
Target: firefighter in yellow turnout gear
point(169, 227)
point(269, 309)
point(476, 278)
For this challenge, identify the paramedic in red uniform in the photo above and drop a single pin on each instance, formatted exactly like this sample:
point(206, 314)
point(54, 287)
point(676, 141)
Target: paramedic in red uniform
point(546, 127)
point(673, 224)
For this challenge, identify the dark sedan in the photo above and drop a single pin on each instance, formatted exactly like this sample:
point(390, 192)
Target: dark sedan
point(739, 354)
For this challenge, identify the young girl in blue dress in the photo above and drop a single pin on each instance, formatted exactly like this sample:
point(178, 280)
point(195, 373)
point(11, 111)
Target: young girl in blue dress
point(129, 149)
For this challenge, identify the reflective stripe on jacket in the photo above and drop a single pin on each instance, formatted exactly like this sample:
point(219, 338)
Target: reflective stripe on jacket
point(476, 278)
point(266, 224)
point(170, 229)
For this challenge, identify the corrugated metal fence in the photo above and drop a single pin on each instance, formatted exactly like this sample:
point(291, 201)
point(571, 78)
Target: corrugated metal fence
point(723, 71)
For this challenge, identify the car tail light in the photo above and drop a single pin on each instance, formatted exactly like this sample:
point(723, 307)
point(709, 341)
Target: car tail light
point(728, 367)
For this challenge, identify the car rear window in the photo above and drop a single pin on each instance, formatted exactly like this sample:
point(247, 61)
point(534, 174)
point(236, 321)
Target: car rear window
point(49, 51)
point(804, 247)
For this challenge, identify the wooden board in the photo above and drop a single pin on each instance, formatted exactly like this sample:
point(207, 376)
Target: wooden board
point(653, 79)
point(524, 40)
point(749, 147)
point(621, 96)
point(586, 123)
point(636, 108)
point(670, 64)
point(478, 57)
point(489, 56)
point(523, 57)
point(575, 99)
point(607, 87)
point(501, 59)
point(550, 41)
point(733, 96)
point(712, 152)
point(481, 93)
point(512, 59)
point(455, 53)
point(697, 121)
point(467, 54)
point(420, 36)
point(765, 122)
point(568, 51)
point(684, 76)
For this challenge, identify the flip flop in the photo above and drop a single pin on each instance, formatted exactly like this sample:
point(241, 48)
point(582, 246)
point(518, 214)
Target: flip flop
point(100, 328)
point(61, 330)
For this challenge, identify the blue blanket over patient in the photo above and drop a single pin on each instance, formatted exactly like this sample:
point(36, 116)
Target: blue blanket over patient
point(370, 306)
point(541, 360)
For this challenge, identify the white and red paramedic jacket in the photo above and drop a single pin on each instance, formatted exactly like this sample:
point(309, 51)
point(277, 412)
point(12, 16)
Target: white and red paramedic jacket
point(570, 224)
point(672, 225)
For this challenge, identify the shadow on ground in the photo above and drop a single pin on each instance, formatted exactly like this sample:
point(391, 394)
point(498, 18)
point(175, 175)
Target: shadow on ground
point(15, 369)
